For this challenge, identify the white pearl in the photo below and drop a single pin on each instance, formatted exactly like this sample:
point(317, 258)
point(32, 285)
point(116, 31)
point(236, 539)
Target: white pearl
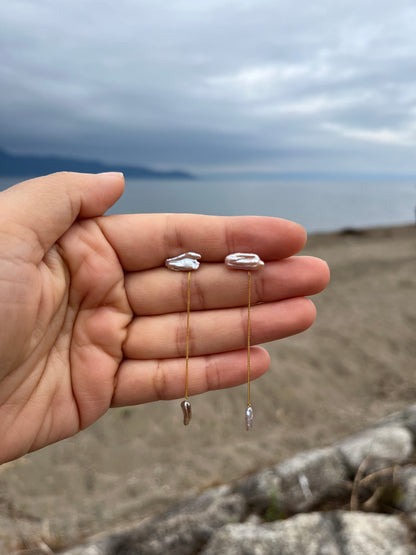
point(184, 262)
point(243, 261)
point(249, 418)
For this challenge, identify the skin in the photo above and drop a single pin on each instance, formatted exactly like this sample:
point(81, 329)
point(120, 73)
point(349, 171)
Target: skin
point(91, 318)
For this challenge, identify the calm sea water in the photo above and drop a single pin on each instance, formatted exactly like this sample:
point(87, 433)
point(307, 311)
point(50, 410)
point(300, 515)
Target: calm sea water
point(317, 206)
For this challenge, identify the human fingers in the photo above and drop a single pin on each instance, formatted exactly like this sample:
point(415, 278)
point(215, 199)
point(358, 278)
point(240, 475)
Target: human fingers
point(45, 207)
point(143, 381)
point(214, 331)
point(160, 291)
point(144, 241)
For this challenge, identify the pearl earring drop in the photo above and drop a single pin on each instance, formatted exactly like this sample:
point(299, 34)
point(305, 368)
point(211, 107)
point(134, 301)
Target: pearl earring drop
point(249, 262)
point(186, 262)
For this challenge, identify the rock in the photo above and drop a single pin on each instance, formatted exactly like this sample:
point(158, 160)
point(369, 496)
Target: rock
point(311, 478)
point(406, 480)
point(231, 520)
point(309, 533)
point(185, 529)
point(331, 533)
point(405, 418)
point(182, 530)
point(369, 533)
point(261, 490)
point(377, 448)
point(99, 548)
point(296, 485)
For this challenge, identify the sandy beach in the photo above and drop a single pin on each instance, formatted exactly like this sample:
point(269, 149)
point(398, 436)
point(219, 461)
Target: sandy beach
point(355, 365)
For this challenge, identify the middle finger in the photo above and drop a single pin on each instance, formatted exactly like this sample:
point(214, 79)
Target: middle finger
point(160, 291)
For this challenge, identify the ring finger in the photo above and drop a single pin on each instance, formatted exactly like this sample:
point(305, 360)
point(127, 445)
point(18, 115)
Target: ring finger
point(215, 331)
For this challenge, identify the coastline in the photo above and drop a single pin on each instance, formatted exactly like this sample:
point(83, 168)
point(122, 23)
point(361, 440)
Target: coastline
point(321, 207)
point(354, 366)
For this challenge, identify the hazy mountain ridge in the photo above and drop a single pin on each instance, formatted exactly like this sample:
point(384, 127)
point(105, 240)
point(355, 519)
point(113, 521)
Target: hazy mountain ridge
point(29, 166)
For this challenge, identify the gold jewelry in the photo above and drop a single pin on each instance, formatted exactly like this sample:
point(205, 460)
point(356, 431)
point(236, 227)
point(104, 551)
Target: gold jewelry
point(249, 262)
point(186, 262)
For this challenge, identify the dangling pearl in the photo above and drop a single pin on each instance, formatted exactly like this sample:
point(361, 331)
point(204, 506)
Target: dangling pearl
point(187, 412)
point(249, 418)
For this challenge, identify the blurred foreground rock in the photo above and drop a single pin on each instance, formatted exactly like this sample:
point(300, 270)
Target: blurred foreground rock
point(332, 533)
point(356, 497)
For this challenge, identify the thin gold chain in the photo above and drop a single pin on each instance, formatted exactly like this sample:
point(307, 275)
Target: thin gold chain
point(248, 339)
point(188, 311)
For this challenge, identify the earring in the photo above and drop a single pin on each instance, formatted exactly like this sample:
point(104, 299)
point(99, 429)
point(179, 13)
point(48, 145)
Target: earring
point(186, 262)
point(246, 261)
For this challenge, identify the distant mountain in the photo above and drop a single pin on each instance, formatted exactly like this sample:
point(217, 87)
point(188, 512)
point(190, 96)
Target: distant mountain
point(31, 166)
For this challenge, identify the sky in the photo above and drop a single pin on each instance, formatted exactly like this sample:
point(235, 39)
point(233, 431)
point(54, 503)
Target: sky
point(213, 86)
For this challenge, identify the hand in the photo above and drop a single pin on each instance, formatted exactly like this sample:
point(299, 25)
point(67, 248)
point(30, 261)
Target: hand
point(91, 318)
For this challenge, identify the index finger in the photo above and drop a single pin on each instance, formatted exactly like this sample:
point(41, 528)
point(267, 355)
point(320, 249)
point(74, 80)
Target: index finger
point(144, 241)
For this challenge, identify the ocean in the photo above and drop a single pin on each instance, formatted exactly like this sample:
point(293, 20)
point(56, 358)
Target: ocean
point(318, 206)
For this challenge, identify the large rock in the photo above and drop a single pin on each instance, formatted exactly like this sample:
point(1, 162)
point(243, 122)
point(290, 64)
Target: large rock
point(183, 530)
point(406, 418)
point(231, 520)
point(377, 448)
point(331, 533)
point(296, 485)
point(405, 478)
point(101, 547)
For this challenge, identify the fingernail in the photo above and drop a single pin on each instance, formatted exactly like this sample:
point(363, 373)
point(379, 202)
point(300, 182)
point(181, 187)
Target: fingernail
point(112, 174)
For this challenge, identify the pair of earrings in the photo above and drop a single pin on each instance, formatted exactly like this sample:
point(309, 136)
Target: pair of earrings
point(188, 262)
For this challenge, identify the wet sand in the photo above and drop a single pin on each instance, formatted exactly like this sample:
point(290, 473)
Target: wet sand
point(355, 365)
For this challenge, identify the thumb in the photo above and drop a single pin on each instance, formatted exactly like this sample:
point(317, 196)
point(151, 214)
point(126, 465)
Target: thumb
point(45, 207)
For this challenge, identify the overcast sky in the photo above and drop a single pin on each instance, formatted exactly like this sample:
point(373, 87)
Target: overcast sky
point(213, 85)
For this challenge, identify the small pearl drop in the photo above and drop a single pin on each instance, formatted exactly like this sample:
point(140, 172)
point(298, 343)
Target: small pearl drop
point(249, 418)
point(187, 412)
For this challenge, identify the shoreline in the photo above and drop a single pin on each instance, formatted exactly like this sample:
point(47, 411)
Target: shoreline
point(319, 207)
point(318, 238)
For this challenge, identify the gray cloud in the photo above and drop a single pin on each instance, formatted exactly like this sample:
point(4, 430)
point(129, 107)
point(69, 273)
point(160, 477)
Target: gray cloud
point(212, 84)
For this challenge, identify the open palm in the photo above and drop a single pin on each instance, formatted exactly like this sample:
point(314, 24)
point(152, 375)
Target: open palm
point(91, 318)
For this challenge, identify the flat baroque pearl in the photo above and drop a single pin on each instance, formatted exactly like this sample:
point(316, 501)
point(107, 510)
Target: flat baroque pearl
point(184, 262)
point(243, 261)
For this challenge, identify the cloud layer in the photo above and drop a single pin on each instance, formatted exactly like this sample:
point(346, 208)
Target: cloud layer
point(213, 85)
